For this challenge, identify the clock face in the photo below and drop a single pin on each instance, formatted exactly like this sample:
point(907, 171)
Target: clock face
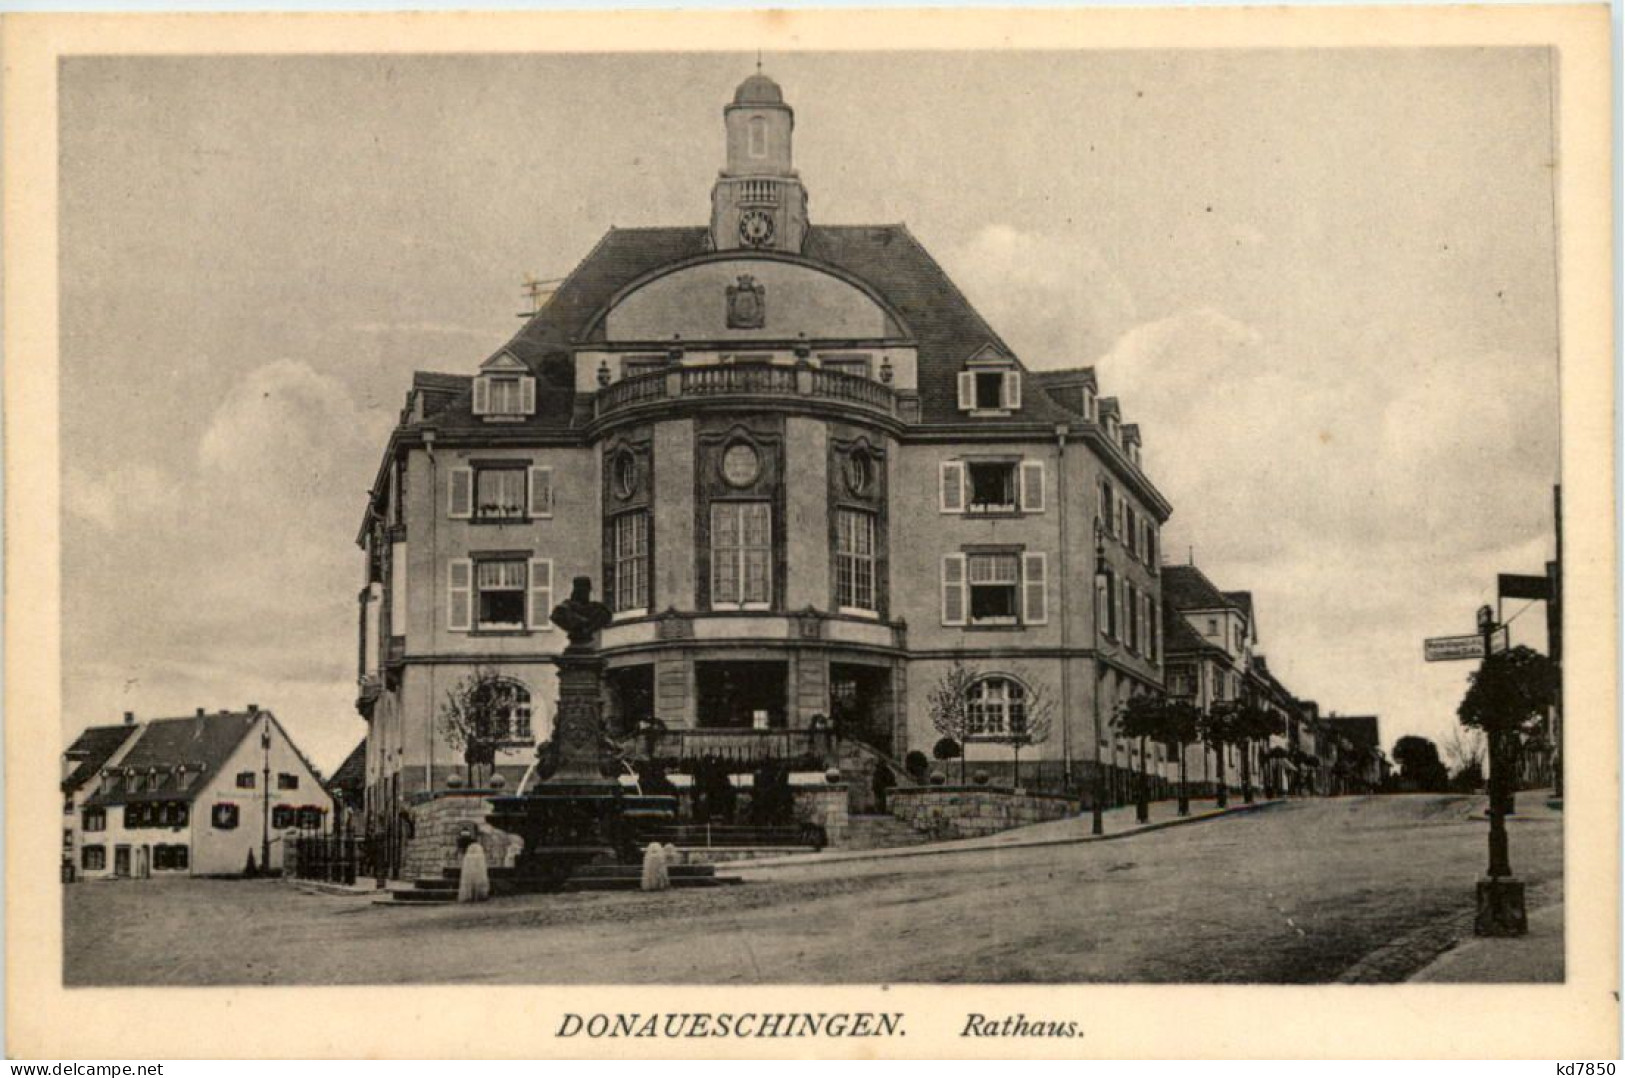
point(756, 228)
point(741, 465)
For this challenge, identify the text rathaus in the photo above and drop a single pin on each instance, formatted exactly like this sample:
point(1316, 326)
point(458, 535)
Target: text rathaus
point(807, 477)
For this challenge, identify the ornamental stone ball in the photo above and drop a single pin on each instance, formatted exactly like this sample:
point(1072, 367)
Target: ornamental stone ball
point(579, 616)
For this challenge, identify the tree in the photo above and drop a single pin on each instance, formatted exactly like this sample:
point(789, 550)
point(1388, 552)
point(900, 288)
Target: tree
point(948, 703)
point(1217, 728)
point(1419, 764)
point(1027, 723)
point(1181, 729)
point(475, 719)
point(1507, 696)
point(1253, 724)
point(1463, 750)
point(1157, 718)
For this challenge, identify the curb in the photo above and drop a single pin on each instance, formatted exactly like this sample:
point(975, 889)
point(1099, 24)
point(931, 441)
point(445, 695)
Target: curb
point(897, 853)
point(320, 887)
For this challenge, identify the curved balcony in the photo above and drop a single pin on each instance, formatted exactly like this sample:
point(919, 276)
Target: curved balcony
point(739, 381)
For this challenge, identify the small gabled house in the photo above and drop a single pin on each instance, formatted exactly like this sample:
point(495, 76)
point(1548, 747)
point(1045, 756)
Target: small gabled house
point(195, 796)
point(96, 748)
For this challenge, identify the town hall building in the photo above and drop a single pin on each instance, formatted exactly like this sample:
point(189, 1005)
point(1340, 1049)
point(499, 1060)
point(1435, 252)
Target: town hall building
point(806, 476)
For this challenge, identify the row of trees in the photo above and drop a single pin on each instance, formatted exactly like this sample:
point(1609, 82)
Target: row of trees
point(1147, 718)
point(1150, 717)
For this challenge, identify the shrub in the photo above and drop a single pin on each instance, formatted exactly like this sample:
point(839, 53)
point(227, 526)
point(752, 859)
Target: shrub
point(980, 777)
point(917, 766)
point(938, 779)
point(946, 749)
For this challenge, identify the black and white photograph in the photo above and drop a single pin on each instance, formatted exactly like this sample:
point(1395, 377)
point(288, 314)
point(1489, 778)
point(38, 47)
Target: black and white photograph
point(766, 515)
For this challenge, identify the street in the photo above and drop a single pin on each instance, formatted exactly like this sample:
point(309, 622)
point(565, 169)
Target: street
point(1299, 892)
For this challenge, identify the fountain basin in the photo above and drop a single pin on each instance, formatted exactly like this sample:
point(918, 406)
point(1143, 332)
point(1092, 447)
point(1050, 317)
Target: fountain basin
point(569, 826)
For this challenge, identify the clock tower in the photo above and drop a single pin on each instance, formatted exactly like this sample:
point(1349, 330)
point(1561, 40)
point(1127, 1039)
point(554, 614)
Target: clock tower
point(758, 202)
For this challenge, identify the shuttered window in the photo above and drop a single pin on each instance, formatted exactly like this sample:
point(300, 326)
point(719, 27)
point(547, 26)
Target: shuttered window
point(541, 492)
point(500, 594)
point(951, 486)
point(1032, 486)
point(1034, 589)
point(953, 589)
point(459, 595)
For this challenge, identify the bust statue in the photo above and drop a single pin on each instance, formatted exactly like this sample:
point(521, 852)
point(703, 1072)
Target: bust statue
point(579, 616)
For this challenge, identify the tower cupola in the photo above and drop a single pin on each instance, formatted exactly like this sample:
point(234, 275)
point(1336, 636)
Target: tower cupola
point(758, 201)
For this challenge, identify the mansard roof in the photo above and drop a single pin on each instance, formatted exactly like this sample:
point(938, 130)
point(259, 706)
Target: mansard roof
point(947, 329)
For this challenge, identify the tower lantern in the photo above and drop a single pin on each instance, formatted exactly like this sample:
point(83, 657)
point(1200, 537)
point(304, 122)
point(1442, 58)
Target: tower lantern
point(758, 201)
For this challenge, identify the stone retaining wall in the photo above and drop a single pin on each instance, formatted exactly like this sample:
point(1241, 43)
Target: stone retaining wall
point(437, 822)
point(825, 806)
point(949, 812)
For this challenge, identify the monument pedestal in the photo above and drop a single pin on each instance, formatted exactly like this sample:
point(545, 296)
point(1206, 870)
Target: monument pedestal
point(1500, 907)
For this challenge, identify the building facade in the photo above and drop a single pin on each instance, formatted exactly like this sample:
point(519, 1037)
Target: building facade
point(803, 472)
point(190, 796)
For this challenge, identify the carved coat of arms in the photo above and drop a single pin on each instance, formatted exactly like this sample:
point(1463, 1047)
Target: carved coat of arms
point(747, 304)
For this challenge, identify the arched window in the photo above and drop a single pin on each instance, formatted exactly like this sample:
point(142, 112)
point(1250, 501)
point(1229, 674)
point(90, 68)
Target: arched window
point(998, 705)
point(505, 704)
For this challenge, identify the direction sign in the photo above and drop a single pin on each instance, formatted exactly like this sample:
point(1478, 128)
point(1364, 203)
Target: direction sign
point(1443, 649)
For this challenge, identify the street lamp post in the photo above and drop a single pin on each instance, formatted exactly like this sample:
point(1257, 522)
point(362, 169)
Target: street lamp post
point(1500, 895)
point(1097, 824)
point(265, 815)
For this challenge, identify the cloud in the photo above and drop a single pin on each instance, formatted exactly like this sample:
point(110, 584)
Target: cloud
point(250, 594)
point(132, 490)
point(1051, 295)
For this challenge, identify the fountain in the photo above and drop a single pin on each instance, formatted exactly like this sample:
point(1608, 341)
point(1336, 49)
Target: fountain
point(576, 816)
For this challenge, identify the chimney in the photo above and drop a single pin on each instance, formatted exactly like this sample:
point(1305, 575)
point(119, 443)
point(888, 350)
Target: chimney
point(201, 713)
point(129, 718)
point(253, 709)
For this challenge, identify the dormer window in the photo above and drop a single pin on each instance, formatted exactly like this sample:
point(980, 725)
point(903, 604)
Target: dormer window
point(990, 384)
point(1112, 430)
point(504, 389)
point(1089, 403)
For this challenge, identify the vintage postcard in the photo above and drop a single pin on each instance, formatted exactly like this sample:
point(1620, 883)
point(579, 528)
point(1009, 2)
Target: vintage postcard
point(811, 534)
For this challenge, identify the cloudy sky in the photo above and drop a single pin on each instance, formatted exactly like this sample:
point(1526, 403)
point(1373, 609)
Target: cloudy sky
point(1322, 281)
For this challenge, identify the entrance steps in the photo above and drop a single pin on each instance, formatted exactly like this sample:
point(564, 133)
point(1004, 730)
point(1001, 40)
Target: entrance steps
point(879, 832)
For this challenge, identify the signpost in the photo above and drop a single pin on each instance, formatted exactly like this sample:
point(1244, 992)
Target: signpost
point(1500, 894)
point(1442, 649)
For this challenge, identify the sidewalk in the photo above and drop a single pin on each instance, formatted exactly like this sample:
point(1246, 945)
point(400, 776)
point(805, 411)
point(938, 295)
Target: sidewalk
point(1537, 957)
point(1118, 823)
point(1530, 806)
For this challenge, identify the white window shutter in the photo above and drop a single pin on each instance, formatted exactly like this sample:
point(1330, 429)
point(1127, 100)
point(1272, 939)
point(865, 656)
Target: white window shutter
point(1035, 588)
point(482, 395)
point(541, 492)
point(1010, 388)
point(527, 395)
point(459, 595)
point(951, 490)
point(460, 493)
point(967, 391)
point(541, 593)
point(954, 588)
point(1032, 486)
